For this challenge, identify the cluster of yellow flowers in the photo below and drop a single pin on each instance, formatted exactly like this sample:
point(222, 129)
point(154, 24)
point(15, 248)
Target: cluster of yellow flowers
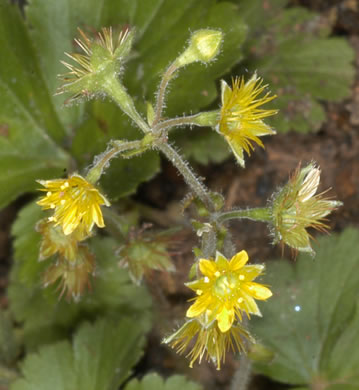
point(76, 209)
point(225, 290)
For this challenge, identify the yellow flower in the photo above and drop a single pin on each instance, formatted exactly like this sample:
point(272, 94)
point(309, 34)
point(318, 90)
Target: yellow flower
point(76, 204)
point(208, 341)
point(241, 121)
point(296, 208)
point(227, 289)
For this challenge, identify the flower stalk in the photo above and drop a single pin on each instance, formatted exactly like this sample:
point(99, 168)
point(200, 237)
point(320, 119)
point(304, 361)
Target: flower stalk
point(103, 160)
point(203, 119)
point(190, 178)
point(256, 214)
point(115, 90)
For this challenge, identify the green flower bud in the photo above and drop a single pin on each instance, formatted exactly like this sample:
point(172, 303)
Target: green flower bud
point(204, 46)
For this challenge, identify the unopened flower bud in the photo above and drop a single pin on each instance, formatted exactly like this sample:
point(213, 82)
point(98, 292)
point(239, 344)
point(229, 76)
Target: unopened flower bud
point(204, 46)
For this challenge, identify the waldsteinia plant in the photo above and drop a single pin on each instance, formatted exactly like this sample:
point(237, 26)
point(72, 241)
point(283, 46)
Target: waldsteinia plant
point(225, 283)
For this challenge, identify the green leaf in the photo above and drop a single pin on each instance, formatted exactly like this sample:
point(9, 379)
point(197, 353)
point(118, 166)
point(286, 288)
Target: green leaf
point(26, 113)
point(203, 146)
point(101, 357)
point(45, 317)
point(9, 348)
point(155, 382)
point(311, 322)
point(257, 13)
point(291, 51)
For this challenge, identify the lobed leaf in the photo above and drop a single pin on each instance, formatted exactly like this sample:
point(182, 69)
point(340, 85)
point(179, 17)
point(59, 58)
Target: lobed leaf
point(155, 382)
point(312, 320)
point(291, 50)
point(100, 357)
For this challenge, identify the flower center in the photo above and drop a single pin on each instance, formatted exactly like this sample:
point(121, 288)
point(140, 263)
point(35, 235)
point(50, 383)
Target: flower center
point(225, 286)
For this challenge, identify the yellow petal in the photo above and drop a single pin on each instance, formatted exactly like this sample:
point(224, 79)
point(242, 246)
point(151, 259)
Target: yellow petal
point(237, 150)
point(221, 262)
point(250, 304)
point(97, 215)
point(226, 92)
point(252, 271)
point(225, 319)
point(238, 261)
point(198, 307)
point(197, 285)
point(207, 267)
point(258, 291)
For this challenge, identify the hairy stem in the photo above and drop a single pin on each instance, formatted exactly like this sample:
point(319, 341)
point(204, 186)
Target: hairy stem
point(201, 119)
point(242, 376)
point(102, 161)
point(190, 178)
point(257, 214)
point(118, 94)
point(162, 91)
point(209, 244)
